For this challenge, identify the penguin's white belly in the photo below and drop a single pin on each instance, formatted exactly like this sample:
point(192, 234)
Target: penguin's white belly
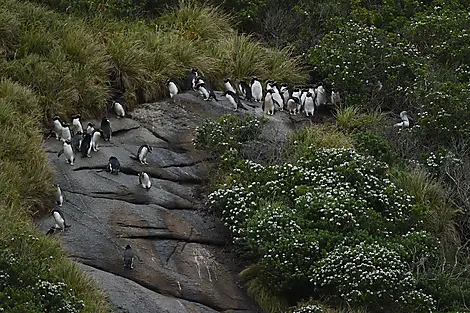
point(257, 91)
point(277, 97)
point(57, 128)
point(309, 106)
point(173, 90)
point(60, 223)
point(77, 126)
point(229, 87)
point(119, 110)
point(291, 105)
point(66, 133)
point(232, 101)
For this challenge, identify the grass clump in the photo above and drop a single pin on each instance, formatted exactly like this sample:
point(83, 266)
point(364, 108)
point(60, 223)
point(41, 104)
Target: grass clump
point(354, 118)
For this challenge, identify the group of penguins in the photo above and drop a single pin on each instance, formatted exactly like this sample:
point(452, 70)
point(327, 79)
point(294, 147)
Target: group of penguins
point(77, 141)
point(276, 98)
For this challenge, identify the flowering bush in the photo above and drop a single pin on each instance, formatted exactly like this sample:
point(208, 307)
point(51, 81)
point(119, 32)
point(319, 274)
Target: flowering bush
point(289, 217)
point(228, 132)
point(374, 145)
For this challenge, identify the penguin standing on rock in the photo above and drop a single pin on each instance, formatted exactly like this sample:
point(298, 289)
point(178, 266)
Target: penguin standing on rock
point(142, 153)
point(256, 89)
point(59, 222)
point(57, 126)
point(144, 180)
point(77, 124)
point(128, 258)
point(59, 198)
point(309, 104)
point(113, 165)
point(106, 128)
point(234, 100)
point(68, 152)
point(77, 142)
point(118, 109)
point(245, 90)
point(90, 128)
point(97, 134)
point(228, 85)
point(172, 88)
point(191, 79)
point(269, 102)
point(292, 105)
point(86, 146)
point(66, 134)
point(206, 92)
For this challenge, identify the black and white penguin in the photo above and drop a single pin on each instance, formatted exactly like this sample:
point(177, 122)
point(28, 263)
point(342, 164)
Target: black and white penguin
point(59, 220)
point(277, 97)
point(118, 109)
point(113, 165)
point(128, 258)
point(97, 134)
point(86, 146)
point(57, 127)
point(268, 102)
point(76, 124)
point(68, 152)
point(198, 80)
point(106, 128)
point(90, 128)
point(321, 97)
point(234, 100)
point(66, 134)
point(303, 95)
point(190, 80)
point(285, 93)
point(245, 90)
point(256, 90)
point(172, 88)
point(292, 105)
point(144, 180)
point(142, 153)
point(59, 198)
point(207, 92)
point(77, 141)
point(269, 83)
point(405, 122)
point(228, 85)
point(309, 104)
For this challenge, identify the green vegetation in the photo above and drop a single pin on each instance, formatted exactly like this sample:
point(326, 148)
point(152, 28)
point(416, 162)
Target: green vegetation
point(59, 64)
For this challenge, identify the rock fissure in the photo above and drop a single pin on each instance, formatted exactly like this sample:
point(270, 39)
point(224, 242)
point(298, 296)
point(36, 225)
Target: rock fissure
point(118, 132)
point(177, 237)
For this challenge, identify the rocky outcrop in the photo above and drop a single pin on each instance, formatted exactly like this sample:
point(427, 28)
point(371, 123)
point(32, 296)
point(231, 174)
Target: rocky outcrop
point(183, 259)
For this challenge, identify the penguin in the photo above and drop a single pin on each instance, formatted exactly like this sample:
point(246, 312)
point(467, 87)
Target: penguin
point(77, 141)
point(144, 180)
point(320, 96)
point(405, 122)
point(285, 94)
point(50, 231)
point(128, 258)
point(256, 89)
point(245, 90)
point(292, 105)
point(94, 139)
point(269, 83)
point(335, 98)
point(142, 153)
point(172, 88)
point(206, 92)
point(118, 109)
point(297, 93)
point(57, 127)
point(190, 80)
point(277, 98)
point(66, 135)
point(234, 100)
point(76, 124)
point(106, 128)
point(90, 128)
point(303, 95)
point(309, 104)
point(59, 220)
point(228, 85)
point(86, 146)
point(113, 165)
point(59, 198)
point(198, 80)
point(268, 102)
point(68, 152)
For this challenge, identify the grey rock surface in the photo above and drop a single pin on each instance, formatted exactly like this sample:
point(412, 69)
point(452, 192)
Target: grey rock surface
point(182, 261)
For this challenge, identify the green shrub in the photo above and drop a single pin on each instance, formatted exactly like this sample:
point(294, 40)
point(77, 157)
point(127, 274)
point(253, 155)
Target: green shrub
point(355, 118)
point(374, 145)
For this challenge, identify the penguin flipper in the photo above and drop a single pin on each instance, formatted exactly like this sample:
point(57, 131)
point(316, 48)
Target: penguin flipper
point(60, 153)
point(50, 231)
point(212, 94)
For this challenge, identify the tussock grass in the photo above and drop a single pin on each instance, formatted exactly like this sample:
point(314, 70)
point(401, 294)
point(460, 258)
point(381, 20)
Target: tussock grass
point(426, 190)
point(9, 33)
point(258, 290)
point(315, 136)
point(355, 118)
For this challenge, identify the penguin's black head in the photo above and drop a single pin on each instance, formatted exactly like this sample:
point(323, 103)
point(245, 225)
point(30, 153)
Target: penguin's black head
point(309, 94)
point(200, 85)
point(91, 125)
point(79, 116)
point(194, 70)
point(227, 80)
point(68, 142)
point(104, 120)
point(112, 158)
point(271, 91)
point(56, 118)
point(296, 100)
point(65, 124)
point(225, 93)
point(283, 85)
point(149, 148)
point(56, 185)
point(128, 247)
point(253, 79)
